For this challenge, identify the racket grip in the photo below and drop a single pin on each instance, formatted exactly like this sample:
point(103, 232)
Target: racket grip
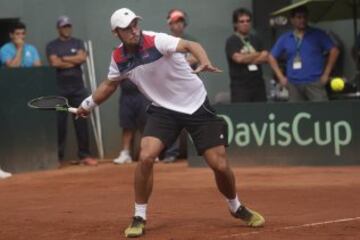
point(72, 110)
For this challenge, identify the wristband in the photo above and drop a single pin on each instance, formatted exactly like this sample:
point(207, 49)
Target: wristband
point(88, 104)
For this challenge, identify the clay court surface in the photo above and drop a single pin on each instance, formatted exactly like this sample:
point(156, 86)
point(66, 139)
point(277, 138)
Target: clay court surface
point(91, 203)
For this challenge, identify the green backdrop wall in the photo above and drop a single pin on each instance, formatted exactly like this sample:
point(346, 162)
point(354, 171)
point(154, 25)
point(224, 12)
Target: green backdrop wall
point(210, 23)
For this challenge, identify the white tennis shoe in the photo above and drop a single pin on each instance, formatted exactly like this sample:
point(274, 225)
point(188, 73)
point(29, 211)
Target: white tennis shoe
point(4, 174)
point(123, 158)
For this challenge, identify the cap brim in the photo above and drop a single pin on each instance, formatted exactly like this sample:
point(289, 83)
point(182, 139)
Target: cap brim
point(128, 23)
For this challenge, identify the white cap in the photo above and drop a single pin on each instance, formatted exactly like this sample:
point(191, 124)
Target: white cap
point(122, 18)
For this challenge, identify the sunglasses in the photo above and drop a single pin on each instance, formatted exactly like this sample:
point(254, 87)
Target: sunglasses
point(244, 21)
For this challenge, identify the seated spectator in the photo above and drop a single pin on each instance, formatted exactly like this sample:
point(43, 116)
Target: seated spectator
point(310, 58)
point(18, 53)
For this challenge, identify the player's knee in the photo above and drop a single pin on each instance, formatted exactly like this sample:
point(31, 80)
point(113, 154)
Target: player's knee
point(147, 158)
point(220, 164)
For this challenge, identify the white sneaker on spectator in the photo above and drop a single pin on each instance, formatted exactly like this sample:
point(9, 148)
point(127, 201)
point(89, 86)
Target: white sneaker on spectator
point(123, 158)
point(4, 174)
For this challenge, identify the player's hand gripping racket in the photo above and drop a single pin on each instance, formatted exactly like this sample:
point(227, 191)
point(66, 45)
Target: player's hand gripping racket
point(55, 103)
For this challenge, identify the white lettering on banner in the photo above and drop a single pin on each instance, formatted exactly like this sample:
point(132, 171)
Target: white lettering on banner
point(285, 133)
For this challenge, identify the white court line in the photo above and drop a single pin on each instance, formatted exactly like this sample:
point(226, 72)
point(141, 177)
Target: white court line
point(294, 227)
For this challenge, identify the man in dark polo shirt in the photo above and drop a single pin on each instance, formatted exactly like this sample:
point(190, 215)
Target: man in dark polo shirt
point(310, 57)
point(67, 54)
point(245, 53)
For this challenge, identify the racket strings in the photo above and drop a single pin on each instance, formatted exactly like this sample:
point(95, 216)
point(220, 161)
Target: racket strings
point(49, 102)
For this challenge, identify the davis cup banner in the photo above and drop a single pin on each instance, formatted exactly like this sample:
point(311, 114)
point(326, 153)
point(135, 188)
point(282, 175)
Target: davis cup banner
point(325, 133)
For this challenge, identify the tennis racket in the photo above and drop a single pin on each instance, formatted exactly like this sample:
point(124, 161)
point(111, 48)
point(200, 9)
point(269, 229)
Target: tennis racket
point(56, 103)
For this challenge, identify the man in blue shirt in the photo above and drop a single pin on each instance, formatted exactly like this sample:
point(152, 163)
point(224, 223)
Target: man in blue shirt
point(307, 68)
point(17, 53)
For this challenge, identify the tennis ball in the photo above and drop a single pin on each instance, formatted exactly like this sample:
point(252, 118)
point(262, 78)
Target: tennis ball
point(337, 84)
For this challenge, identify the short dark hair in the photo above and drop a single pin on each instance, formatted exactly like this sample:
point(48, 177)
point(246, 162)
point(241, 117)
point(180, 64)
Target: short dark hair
point(300, 9)
point(240, 12)
point(16, 26)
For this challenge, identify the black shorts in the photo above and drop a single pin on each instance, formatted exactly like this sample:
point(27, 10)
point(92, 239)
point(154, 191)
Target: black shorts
point(206, 129)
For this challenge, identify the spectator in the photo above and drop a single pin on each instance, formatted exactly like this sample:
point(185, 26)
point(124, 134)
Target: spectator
point(132, 115)
point(4, 174)
point(245, 53)
point(67, 54)
point(18, 53)
point(307, 67)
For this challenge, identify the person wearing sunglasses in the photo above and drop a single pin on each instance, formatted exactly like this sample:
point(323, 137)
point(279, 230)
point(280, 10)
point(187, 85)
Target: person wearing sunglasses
point(245, 54)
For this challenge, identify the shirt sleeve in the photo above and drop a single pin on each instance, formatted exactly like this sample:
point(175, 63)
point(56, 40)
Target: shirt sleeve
point(232, 46)
point(325, 41)
point(6, 54)
point(50, 50)
point(278, 48)
point(114, 73)
point(166, 44)
point(81, 45)
point(35, 54)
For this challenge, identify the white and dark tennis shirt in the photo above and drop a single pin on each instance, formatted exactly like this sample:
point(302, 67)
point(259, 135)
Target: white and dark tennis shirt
point(161, 74)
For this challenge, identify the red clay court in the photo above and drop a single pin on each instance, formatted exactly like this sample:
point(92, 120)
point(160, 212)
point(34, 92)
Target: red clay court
point(299, 203)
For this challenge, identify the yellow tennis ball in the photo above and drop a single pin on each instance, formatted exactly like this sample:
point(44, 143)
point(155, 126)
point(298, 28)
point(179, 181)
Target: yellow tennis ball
point(337, 84)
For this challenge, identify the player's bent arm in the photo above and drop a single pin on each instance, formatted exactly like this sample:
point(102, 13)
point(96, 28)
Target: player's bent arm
point(104, 91)
point(199, 53)
point(195, 49)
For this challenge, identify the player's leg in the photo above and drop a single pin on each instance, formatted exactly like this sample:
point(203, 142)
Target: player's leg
point(150, 148)
point(216, 159)
point(225, 180)
point(160, 131)
point(211, 144)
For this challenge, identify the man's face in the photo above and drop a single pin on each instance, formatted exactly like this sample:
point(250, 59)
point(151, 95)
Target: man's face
point(299, 21)
point(65, 31)
point(243, 24)
point(18, 35)
point(177, 28)
point(130, 35)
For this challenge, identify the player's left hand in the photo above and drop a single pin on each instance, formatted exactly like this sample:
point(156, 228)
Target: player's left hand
point(207, 68)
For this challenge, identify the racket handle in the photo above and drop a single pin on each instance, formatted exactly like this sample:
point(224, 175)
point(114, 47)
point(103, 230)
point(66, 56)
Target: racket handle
point(72, 110)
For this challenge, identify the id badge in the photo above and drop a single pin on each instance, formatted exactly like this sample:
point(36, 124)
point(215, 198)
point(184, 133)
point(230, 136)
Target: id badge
point(297, 65)
point(253, 67)
point(297, 62)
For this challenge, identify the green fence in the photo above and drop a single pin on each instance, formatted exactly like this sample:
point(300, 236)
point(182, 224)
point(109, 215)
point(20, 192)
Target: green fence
point(326, 133)
point(27, 137)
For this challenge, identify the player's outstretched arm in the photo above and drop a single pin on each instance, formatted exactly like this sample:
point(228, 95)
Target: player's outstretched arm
point(103, 92)
point(199, 53)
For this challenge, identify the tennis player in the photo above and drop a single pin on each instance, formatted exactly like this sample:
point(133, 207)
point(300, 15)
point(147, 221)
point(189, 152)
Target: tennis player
point(156, 64)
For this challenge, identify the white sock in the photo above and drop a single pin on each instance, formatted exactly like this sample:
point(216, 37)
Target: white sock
point(125, 152)
point(140, 210)
point(234, 204)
